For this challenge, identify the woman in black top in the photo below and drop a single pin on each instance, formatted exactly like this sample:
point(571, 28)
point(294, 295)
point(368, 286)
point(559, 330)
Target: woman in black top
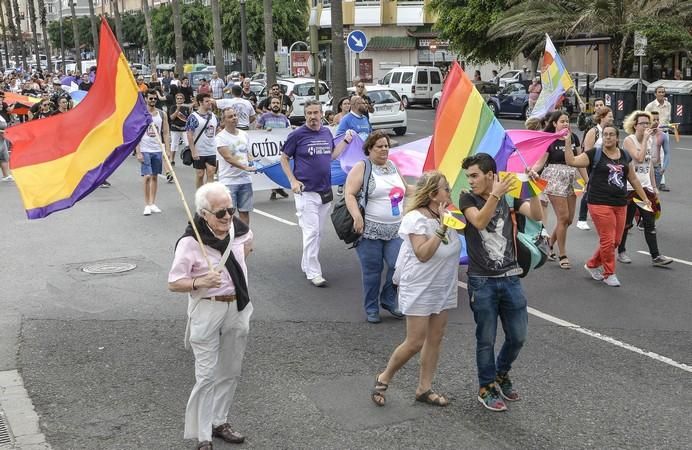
point(611, 168)
point(560, 177)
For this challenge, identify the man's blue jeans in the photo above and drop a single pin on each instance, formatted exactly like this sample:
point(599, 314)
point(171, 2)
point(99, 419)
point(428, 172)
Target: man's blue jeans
point(373, 253)
point(490, 298)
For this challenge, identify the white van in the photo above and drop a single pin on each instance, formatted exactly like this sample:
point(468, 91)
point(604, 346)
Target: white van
point(414, 84)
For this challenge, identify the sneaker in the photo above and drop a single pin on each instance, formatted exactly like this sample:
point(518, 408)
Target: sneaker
point(147, 211)
point(272, 196)
point(374, 318)
point(155, 209)
point(282, 193)
point(595, 272)
point(504, 385)
point(318, 281)
point(393, 311)
point(583, 225)
point(490, 399)
point(624, 258)
point(8, 178)
point(340, 190)
point(664, 188)
point(612, 281)
point(661, 261)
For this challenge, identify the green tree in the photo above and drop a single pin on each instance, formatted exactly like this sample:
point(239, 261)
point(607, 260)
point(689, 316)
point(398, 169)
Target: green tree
point(289, 20)
point(177, 36)
point(196, 27)
point(269, 65)
point(42, 11)
point(83, 30)
point(465, 23)
point(529, 20)
point(151, 44)
point(134, 29)
point(338, 52)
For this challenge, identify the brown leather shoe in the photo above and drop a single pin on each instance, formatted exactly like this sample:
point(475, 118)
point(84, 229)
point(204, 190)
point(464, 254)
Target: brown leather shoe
point(205, 445)
point(227, 434)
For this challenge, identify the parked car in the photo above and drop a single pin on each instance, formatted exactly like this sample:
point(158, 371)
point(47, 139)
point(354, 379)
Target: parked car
point(485, 88)
point(512, 100)
point(414, 84)
point(196, 77)
point(139, 69)
point(390, 113)
point(259, 77)
point(510, 76)
point(299, 90)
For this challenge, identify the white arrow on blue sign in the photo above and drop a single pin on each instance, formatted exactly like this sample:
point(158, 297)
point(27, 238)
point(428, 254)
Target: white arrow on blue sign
point(356, 41)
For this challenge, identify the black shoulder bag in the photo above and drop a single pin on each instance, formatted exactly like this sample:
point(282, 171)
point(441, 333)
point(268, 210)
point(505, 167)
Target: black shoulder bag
point(342, 219)
point(186, 154)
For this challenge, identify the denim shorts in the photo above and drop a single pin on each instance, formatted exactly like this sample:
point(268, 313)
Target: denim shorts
point(151, 164)
point(241, 194)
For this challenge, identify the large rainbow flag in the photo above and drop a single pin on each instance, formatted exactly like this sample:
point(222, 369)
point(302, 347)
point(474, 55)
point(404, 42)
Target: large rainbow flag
point(555, 80)
point(59, 160)
point(464, 125)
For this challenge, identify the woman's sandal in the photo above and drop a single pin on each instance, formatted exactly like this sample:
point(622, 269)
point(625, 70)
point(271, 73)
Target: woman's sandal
point(564, 262)
point(432, 398)
point(552, 256)
point(377, 394)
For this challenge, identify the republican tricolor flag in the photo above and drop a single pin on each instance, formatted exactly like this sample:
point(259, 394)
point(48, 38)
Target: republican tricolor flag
point(59, 160)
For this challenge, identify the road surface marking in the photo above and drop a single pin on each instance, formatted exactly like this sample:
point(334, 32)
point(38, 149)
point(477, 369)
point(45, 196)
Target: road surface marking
point(421, 120)
point(272, 216)
point(676, 148)
point(603, 337)
point(681, 261)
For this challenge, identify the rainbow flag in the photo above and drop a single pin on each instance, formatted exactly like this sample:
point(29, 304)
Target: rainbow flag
point(524, 187)
point(464, 125)
point(59, 160)
point(555, 80)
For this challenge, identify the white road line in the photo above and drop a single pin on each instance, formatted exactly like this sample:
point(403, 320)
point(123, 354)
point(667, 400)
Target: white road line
point(603, 337)
point(420, 120)
point(681, 261)
point(676, 148)
point(272, 216)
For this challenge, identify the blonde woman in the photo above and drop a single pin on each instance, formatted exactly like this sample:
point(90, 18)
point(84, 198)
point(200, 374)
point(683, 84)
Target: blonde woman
point(428, 262)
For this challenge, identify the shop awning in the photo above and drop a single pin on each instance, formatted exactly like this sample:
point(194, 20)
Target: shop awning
point(391, 43)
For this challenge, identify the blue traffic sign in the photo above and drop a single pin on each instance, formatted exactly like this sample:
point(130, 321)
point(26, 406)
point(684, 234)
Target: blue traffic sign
point(356, 41)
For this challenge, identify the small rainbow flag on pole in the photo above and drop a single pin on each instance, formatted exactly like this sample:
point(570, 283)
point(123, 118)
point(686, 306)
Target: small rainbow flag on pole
point(464, 125)
point(59, 160)
point(555, 80)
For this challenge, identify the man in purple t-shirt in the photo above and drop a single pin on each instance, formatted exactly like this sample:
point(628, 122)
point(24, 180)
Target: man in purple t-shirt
point(312, 149)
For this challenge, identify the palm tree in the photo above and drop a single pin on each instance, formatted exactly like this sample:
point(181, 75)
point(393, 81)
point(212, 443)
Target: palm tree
point(270, 69)
point(18, 23)
point(4, 36)
point(42, 11)
point(218, 44)
point(178, 37)
point(338, 55)
point(529, 21)
point(34, 34)
point(13, 29)
point(151, 45)
point(75, 35)
point(94, 26)
point(118, 21)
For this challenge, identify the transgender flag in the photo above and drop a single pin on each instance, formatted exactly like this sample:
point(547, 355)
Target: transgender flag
point(59, 160)
point(554, 78)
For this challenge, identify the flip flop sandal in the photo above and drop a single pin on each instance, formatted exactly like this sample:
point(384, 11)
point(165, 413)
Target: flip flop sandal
point(432, 398)
point(564, 262)
point(377, 394)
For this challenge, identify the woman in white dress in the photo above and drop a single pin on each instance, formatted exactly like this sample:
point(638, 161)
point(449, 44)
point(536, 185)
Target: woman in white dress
point(428, 263)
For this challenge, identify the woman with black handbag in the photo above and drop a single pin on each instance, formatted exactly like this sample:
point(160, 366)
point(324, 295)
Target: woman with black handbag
point(378, 224)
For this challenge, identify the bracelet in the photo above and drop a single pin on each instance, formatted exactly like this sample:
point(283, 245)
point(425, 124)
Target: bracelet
point(193, 283)
point(497, 197)
point(442, 237)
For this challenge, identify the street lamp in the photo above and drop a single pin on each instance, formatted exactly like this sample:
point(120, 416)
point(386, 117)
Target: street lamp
point(243, 38)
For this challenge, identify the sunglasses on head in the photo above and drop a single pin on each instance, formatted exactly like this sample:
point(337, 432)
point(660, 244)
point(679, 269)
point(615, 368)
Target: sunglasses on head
point(220, 214)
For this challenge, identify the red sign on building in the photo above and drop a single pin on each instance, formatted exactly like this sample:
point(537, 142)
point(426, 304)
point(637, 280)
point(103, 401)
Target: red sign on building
point(300, 64)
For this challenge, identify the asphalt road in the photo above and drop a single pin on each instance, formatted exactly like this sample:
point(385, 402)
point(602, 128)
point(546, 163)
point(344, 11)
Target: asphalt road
point(103, 361)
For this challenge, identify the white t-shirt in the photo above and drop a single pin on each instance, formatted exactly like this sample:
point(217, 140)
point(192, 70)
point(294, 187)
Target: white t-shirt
point(241, 106)
point(206, 144)
point(151, 140)
point(238, 145)
point(642, 169)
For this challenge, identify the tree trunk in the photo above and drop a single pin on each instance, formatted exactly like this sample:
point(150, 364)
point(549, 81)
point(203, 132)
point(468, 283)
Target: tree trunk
point(34, 34)
point(178, 33)
point(75, 35)
point(20, 38)
point(269, 43)
point(621, 56)
point(94, 27)
point(44, 32)
point(151, 44)
point(338, 52)
point(118, 22)
point(218, 44)
point(4, 36)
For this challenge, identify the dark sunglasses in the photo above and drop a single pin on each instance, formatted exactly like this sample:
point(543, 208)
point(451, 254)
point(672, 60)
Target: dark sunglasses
point(220, 214)
point(152, 99)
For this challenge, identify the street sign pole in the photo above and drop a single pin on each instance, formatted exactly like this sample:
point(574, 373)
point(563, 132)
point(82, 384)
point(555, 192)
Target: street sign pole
point(640, 43)
point(356, 42)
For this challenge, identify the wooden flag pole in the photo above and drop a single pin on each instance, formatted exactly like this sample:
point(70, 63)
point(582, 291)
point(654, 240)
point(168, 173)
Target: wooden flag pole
point(182, 197)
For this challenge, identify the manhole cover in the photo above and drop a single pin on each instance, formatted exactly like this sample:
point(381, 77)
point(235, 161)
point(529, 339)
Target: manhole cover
point(108, 267)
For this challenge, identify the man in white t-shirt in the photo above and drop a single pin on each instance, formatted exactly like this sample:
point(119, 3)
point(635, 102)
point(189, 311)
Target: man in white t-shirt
point(244, 109)
point(233, 146)
point(149, 152)
point(201, 135)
